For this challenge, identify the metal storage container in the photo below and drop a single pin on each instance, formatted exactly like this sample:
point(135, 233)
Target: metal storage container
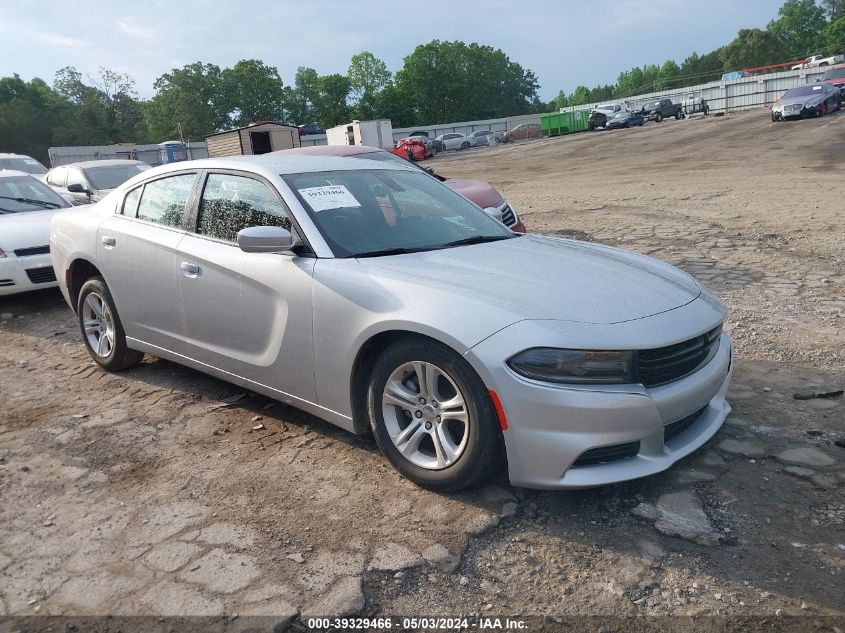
point(560, 123)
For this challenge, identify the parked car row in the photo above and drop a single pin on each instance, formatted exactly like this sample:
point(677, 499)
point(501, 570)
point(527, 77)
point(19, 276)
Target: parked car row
point(479, 138)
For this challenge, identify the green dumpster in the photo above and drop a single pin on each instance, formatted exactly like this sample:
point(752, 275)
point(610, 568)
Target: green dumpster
point(559, 123)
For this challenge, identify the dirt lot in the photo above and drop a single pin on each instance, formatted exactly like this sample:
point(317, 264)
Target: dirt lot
point(152, 493)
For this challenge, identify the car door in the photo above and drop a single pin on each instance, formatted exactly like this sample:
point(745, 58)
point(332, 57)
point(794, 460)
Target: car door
point(248, 314)
point(452, 141)
point(136, 252)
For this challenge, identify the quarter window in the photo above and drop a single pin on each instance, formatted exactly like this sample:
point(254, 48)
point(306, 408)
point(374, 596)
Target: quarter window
point(231, 203)
point(163, 201)
point(130, 204)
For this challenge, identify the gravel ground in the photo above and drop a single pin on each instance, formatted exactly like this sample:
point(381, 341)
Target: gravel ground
point(161, 491)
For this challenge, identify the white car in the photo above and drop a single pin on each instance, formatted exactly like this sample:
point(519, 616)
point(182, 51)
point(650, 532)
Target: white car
point(26, 207)
point(24, 163)
point(452, 141)
point(92, 180)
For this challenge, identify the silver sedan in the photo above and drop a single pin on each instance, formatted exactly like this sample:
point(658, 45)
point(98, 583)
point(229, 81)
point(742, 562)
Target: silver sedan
point(373, 296)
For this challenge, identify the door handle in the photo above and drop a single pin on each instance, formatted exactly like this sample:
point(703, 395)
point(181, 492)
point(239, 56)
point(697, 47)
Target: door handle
point(109, 242)
point(190, 270)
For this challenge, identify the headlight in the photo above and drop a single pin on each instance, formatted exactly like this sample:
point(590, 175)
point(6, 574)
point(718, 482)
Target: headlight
point(2, 254)
point(550, 364)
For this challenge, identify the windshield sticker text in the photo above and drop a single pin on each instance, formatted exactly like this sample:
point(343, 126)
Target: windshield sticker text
point(329, 197)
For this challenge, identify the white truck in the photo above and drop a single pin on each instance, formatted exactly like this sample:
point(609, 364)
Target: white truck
point(819, 60)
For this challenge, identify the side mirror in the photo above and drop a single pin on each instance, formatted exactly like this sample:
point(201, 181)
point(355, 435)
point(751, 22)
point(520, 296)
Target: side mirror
point(77, 188)
point(265, 239)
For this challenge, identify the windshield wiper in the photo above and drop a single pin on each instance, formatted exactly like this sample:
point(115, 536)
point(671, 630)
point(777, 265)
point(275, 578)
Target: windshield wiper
point(388, 251)
point(43, 203)
point(477, 239)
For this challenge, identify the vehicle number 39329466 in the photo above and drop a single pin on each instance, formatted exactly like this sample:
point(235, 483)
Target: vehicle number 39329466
point(385, 624)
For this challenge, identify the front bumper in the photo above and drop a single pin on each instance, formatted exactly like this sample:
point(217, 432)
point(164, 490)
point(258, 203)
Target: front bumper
point(551, 426)
point(23, 274)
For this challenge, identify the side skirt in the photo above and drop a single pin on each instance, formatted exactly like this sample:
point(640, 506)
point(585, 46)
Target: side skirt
point(339, 419)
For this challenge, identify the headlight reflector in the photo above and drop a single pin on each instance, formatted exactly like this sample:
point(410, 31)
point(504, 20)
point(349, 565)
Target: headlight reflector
point(549, 364)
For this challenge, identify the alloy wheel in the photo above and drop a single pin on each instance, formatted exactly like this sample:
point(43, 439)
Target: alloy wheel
point(99, 325)
point(425, 415)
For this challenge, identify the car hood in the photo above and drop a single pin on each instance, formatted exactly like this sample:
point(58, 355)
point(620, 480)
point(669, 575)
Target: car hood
point(800, 100)
point(481, 193)
point(27, 229)
point(538, 277)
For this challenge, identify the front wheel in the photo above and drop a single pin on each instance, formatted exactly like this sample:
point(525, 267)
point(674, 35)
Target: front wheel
point(432, 416)
point(465, 146)
point(658, 117)
point(102, 331)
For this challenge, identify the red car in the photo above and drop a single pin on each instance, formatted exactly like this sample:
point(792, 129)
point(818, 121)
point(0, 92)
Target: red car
point(481, 193)
point(835, 77)
point(526, 130)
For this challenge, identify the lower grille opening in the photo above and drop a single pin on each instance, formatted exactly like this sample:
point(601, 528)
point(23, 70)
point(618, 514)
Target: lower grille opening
point(6, 282)
point(605, 454)
point(41, 275)
point(32, 250)
point(674, 429)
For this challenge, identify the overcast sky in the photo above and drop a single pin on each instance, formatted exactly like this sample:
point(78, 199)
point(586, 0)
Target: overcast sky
point(565, 42)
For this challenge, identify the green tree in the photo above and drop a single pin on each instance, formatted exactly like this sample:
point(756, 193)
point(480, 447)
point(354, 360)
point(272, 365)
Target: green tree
point(29, 113)
point(300, 98)
point(254, 92)
point(367, 74)
point(668, 75)
point(798, 26)
point(191, 99)
point(832, 38)
point(752, 48)
point(453, 81)
point(702, 68)
point(331, 101)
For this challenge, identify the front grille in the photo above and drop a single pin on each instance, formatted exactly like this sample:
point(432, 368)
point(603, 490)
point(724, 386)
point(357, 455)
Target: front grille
point(41, 275)
point(605, 454)
point(666, 364)
point(674, 429)
point(508, 216)
point(6, 282)
point(32, 250)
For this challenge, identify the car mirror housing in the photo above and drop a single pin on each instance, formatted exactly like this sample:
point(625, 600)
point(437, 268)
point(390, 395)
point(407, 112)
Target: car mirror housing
point(77, 188)
point(265, 239)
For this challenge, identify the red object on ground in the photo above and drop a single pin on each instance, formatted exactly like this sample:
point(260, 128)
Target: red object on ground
point(415, 148)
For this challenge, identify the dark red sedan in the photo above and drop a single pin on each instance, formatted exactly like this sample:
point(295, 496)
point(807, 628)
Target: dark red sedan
point(526, 130)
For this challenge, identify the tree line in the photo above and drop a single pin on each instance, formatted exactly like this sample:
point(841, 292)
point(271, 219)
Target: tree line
point(802, 28)
point(439, 82)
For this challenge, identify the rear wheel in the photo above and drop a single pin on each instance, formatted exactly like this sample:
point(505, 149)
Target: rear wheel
point(464, 145)
point(432, 416)
point(102, 331)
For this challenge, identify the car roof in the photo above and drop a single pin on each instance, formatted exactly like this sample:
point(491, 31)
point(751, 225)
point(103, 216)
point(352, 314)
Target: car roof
point(86, 164)
point(327, 150)
point(13, 155)
point(14, 173)
point(278, 163)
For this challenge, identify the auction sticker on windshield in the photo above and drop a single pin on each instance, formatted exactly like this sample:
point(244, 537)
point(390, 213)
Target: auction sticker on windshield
point(329, 197)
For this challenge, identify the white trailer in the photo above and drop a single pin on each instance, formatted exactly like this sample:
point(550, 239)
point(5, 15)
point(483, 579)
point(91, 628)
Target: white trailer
point(376, 133)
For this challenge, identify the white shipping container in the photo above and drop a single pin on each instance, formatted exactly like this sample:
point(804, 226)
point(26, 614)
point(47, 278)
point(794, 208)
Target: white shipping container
point(376, 133)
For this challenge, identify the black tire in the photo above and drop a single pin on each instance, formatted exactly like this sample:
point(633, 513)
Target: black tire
point(658, 118)
point(464, 145)
point(627, 124)
point(482, 455)
point(591, 127)
point(678, 116)
point(119, 357)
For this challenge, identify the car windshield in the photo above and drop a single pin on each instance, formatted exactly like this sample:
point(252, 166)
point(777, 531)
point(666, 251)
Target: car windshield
point(25, 193)
point(23, 163)
point(802, 91)
point(364, 213)
point(605, 108)
point(111, 176)
point(834, 73)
